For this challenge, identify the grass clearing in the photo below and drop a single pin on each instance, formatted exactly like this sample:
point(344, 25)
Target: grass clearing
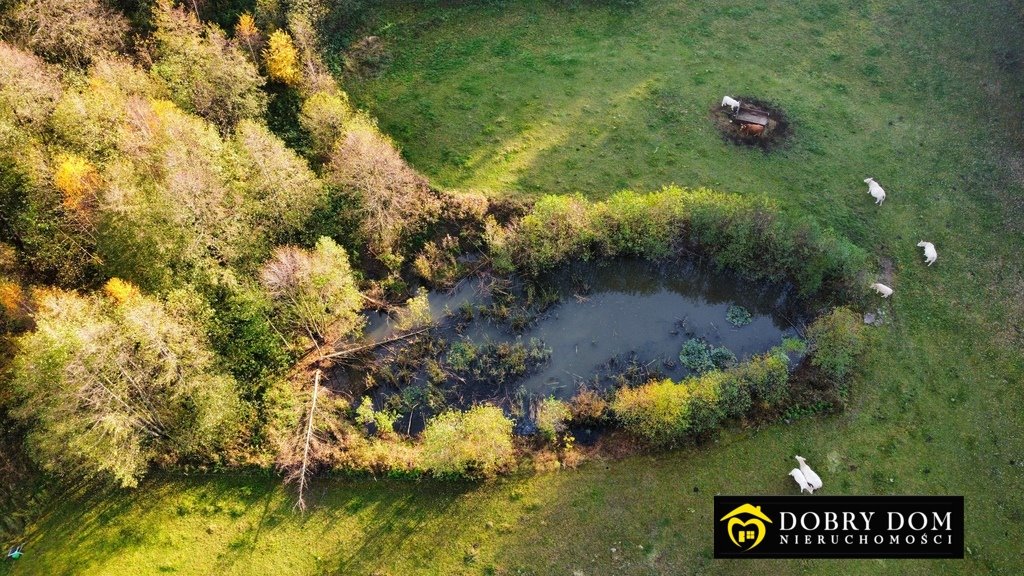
point(536, 96)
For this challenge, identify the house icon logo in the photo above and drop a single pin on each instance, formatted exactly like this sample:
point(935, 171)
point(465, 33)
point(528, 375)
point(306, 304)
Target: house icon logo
point(746, 526)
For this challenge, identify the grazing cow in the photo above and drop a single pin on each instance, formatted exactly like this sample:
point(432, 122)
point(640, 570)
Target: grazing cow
point(809, 475)
point(875, 190)
point(731, 103)
point(751, 129)
point(930, 255)
point(882, 289)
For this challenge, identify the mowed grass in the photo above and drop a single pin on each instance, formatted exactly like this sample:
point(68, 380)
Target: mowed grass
point(531, 97)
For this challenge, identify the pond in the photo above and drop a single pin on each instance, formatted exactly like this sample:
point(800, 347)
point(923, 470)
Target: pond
point(595, 325)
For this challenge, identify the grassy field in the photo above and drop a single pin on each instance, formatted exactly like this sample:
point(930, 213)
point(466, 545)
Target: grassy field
point(543, 96)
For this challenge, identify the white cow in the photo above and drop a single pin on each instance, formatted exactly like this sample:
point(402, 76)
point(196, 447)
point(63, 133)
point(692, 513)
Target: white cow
point(875, 190)
point(731, 103)
point(809, 474)
point(930, 255)
point(799, 477)
point(882, 289)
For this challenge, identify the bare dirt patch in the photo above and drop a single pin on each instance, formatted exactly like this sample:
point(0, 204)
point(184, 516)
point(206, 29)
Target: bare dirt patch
point(776, 132)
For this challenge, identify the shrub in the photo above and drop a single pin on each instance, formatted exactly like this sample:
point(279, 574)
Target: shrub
point(439, 264)
point(588, 406)
point(552, 415)
point(746, 235)
point(635, 225)
point(836, 339)
point(734, 395)
point(557, 229)
point(461, 355)
point(766, 377)
point(658, 411)
point(416, 312)
point(476, 443)
point(383, 421)
point(706, 411)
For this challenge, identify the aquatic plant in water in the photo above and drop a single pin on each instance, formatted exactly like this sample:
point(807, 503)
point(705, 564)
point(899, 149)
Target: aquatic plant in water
point(738, 316)
point(699, 356)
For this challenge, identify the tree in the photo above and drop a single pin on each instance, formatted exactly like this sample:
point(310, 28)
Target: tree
point(324, 116)
point(279, 190)
point(315, 291)
point(69, 31)
point(109, 386)
point(395, 200)
point(29, 88)
point(248, 34)
point(167, 211)
point(282, 59)
point(203, 72)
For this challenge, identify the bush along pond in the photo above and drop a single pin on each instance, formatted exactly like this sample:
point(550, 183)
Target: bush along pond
point(644, 321)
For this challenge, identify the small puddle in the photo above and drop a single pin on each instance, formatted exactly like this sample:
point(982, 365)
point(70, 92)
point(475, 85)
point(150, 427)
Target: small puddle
point(623, 317)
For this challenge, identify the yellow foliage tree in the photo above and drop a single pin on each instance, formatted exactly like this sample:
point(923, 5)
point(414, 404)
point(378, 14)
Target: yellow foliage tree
point(120, 291)
point(282, 58)
point(12, 299)
point(76, 178)
point(247, 33)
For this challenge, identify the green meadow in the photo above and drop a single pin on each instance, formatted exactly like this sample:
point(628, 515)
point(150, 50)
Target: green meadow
point(544, 96)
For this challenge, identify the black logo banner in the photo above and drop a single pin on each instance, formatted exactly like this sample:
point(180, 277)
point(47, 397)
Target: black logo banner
point(839, 527)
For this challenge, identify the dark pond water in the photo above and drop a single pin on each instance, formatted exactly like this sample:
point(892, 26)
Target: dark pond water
point(610, 319)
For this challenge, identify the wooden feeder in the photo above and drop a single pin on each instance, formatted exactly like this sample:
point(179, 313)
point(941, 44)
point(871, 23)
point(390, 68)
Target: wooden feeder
point(748, 114)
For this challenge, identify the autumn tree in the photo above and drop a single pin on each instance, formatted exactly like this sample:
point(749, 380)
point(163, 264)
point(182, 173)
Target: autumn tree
point(74, 32)
point(324, 116)
point(203, 72)
point(279, 191)
point(315, 290)
point(108, 385)
point(248, 34)
point(395, 201)
point(282, 59)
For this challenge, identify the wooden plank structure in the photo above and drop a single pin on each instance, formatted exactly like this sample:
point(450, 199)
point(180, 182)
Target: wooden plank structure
point(748, 114)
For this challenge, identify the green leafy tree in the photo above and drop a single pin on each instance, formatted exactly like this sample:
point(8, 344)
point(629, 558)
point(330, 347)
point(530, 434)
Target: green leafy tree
point(324, 116)
point(279, 191)
point(203, 71)
point(315, 291)
point(109, 386)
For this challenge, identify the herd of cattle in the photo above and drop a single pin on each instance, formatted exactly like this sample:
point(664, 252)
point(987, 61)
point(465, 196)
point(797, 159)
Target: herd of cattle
point(874, 189)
